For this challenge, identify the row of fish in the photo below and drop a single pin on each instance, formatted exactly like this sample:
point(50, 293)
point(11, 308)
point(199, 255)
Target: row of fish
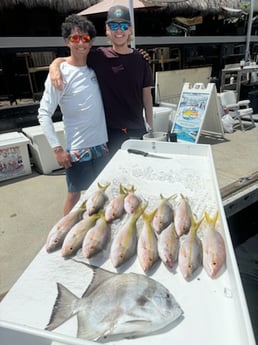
point(168, 232)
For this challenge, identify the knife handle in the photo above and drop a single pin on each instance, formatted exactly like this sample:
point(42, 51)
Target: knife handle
point(138, 152)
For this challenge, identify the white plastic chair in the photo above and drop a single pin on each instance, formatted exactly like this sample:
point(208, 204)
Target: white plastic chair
point(239, 111)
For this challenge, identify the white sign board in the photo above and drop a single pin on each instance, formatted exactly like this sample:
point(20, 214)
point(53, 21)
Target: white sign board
point(197, 110)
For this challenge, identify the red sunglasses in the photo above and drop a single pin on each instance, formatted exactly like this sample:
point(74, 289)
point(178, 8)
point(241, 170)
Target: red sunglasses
point(77, 38)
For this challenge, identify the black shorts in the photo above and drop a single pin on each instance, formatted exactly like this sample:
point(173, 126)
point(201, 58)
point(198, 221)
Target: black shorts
point(81, 174)
point(116, 137)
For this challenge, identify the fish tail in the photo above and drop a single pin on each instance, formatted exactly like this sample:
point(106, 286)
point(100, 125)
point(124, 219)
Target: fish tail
point(130, 190)
point(211, 220)
point(147, 217)
point(194, 225)
point(103, 187)
point(82, 207)
point(122, 190)
point(63, 308)
point(168, 198)
point(140, 209)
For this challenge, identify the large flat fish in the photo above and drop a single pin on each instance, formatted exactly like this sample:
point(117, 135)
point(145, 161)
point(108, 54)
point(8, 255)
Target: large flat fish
point(116, 306)
point(214, 251)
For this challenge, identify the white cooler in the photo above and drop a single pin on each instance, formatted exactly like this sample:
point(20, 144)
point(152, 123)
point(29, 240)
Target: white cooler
point(41, 152)
point(14, 156)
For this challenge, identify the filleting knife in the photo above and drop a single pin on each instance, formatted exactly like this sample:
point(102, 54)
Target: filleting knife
point(146, 154)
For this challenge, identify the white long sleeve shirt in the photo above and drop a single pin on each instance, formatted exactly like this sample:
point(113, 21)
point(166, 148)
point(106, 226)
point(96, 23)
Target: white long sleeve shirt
point(81, 106)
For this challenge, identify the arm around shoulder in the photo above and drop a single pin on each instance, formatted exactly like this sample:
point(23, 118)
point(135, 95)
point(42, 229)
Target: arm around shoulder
point(55, 73)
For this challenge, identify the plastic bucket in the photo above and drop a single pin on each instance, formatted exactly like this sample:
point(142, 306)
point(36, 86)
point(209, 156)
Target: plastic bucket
point(161, 117)
point(155, 136)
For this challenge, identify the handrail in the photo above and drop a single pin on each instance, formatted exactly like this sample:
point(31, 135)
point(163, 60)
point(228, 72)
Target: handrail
point(55, 42)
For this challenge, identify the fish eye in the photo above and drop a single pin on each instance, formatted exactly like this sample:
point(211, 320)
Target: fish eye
point(141, 301)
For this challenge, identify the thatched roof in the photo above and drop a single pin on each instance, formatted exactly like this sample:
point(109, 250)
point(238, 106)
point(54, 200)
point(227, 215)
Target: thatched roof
point(177, 6)
point(59, 5)
point(230, 7)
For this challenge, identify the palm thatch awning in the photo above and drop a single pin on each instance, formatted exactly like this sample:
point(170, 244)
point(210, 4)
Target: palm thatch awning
point(232, 7)
point(176, 6)
point(59, 5)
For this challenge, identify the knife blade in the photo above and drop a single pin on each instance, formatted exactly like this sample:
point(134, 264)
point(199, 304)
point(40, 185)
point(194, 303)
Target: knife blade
point(146, 154)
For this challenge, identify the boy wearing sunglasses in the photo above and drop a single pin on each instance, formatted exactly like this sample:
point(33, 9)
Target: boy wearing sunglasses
point(82, 108)
point(125, 80)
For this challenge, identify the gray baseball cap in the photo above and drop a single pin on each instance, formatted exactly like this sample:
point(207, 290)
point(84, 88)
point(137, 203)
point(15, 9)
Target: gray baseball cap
point(118, 14)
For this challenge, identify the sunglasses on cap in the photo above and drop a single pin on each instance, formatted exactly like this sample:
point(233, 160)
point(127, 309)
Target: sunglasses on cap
point(113, 26)
point(77, 38)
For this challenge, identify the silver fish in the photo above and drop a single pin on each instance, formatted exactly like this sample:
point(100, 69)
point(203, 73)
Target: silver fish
point(124, 244)
point(73, 240)
point(97, 199)
point(189, 257)
point(116, 306)
point(132, 201)
point(147, 249)
point(115, 208)
point(164, 215)
point(214, 251)
point(182, 216)
point(168, 245)
point(96, 238)
point(57, 234)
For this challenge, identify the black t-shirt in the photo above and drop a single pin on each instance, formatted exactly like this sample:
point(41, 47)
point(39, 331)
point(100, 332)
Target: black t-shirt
point(121, 79)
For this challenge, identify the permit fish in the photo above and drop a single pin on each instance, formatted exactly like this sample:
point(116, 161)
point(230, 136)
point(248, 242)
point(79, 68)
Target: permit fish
point(124, 244)
point(163, 216)
point(62, 227)
point(115, 208)
point(131, 201)
point(115, 306)
point(189, 256)
point(73, 240)
point(97, 200)
point(182, 215)
point(147, 248)
point(168, 246)
point(96, 237)
point(214, 251)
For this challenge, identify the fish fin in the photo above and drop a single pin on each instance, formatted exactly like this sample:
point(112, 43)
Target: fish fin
point(122, 190)
point(99, 276)
point(103, 187)
point(82, 207)
point(131, 328)
point(211, 220)
point(85, 329)
point(147, 217)
point(128, 190)
point(63, 307)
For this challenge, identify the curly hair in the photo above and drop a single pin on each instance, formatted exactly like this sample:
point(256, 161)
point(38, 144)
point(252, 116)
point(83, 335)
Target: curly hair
point(76, 21)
